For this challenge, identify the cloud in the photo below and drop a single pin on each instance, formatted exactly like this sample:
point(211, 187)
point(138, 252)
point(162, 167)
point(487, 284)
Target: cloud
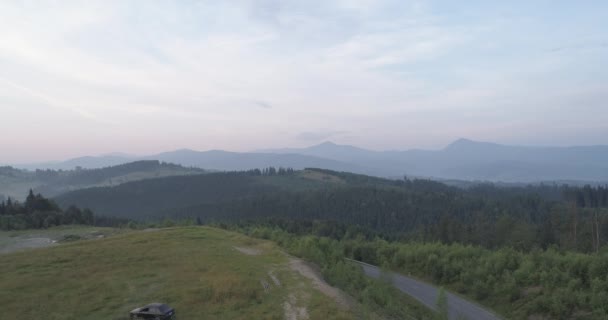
point(43, 99)
point(198, 73)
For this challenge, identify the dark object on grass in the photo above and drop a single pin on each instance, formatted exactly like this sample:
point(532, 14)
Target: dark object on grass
point(155, 311)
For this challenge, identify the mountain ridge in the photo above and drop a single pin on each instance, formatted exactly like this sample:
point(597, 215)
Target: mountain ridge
point(462, 159)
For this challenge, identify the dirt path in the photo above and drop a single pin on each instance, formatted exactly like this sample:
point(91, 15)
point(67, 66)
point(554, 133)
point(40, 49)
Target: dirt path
point(248, 251)
point(309, 272)
point(292, 311)
point(295, 303)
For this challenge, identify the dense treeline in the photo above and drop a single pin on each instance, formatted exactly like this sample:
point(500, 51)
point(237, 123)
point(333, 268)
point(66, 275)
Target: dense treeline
point(521, 221)
point(270, 171)
point(38, 212)
point(422, 210)
point(540, 283)
point(148, 199)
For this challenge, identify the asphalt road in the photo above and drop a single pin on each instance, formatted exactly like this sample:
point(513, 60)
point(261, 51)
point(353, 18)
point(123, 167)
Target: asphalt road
point(458, 308)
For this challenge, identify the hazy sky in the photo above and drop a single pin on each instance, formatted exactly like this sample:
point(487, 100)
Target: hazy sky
point(86, 77)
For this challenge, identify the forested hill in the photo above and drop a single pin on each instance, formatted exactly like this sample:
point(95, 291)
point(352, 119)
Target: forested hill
point(154, 197)
point(413, 209)
point(16, 182)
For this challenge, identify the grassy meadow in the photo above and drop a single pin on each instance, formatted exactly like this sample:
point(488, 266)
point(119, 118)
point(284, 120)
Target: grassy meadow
point(196, 270)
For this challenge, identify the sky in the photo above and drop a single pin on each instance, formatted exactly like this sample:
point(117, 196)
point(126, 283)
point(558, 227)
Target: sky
point(140, 77)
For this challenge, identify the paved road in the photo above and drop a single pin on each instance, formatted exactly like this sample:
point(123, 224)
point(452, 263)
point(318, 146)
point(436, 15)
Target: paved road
point(458, 308)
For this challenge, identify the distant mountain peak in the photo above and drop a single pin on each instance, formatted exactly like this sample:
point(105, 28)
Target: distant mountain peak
point(332, 145)
point(467, 143)
point(327, 143)
point(462, 141)
point(466, 140)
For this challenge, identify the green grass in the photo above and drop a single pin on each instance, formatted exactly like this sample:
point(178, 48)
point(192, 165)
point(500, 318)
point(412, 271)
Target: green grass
point(196, 270)
point(320, 176)
point(305, 180)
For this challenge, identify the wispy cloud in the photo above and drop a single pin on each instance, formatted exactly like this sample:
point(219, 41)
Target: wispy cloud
point(46, 100)
point(206, 74)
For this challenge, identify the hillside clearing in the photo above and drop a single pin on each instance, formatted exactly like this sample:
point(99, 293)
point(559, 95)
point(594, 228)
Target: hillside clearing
point(195, 269)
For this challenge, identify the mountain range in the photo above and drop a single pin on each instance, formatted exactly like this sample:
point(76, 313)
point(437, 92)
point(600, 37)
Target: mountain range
point(463, 160)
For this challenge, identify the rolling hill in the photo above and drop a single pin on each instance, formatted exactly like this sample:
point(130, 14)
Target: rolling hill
point(15, 183)
point(408, 209)
point(218, 160)
point(390, 206)
point(153, 198)
point(85, 162)
point(233, 161)
point(203, 273)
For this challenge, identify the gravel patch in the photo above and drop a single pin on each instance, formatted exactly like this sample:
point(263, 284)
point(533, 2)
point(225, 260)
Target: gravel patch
point(248, 251)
